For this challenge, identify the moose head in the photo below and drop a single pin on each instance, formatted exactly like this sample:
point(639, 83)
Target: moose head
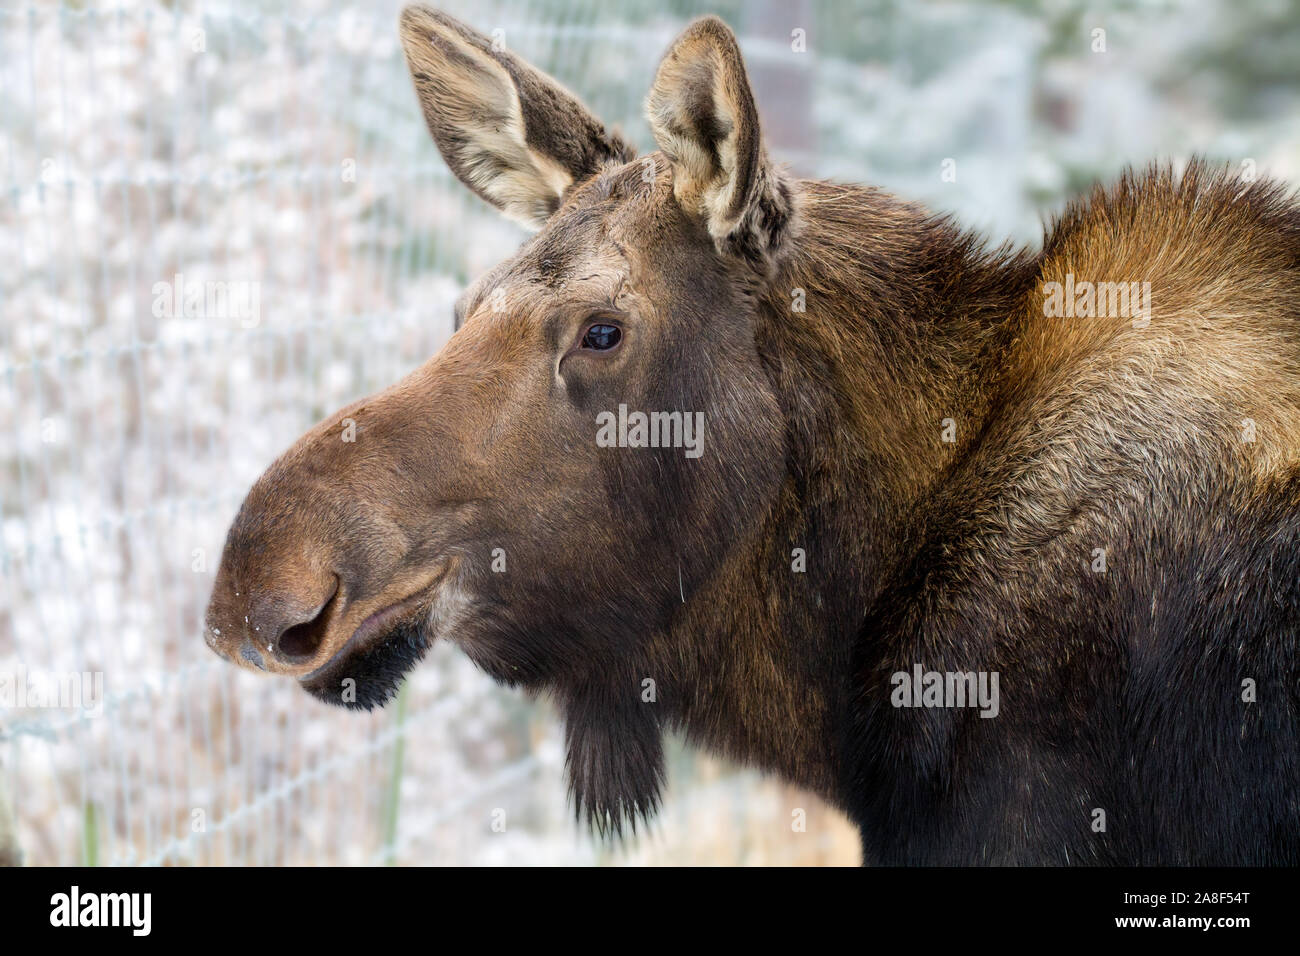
point(593, 445)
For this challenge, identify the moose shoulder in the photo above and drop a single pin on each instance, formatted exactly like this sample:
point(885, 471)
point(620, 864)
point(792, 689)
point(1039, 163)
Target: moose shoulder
point(995, 550)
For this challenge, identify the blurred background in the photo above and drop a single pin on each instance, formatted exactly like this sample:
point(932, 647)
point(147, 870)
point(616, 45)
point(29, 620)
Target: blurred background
point(148, 148)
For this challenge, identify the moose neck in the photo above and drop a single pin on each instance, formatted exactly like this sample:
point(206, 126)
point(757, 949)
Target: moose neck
point(902, 318)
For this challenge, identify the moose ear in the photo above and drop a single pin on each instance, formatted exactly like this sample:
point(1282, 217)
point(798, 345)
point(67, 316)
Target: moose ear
point(509, 132)
point(702, 112)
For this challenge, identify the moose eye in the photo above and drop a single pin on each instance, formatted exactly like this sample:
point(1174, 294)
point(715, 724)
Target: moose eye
point(601, 338)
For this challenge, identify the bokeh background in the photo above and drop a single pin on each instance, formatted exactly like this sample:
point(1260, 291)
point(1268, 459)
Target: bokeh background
point(280, 144)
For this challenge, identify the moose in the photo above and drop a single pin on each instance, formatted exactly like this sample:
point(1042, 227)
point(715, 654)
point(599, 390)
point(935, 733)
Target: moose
point(999, 560)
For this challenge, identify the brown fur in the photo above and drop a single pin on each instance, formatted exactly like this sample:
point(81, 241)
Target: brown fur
point(824, 433)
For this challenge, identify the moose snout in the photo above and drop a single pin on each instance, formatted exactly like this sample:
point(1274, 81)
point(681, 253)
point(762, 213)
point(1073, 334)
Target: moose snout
point(282, 630)
point(343, 534)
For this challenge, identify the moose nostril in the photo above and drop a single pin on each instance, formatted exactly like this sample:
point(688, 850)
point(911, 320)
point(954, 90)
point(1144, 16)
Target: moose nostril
point(300, 642)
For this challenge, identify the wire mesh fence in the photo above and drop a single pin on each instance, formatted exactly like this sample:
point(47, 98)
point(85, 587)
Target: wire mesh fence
point(218, 223)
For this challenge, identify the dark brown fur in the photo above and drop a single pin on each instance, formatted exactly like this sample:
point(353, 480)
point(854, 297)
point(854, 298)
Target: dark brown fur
point(1121, 691)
